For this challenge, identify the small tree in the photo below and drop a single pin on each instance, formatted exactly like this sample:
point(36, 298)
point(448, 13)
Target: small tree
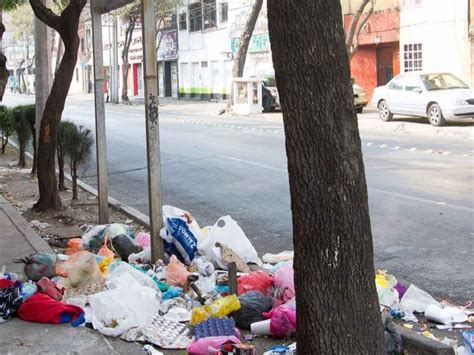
point(23, 132)
point(356, 25)
point(66, 130)
point(78, 148)
point(5, 126)
point(29, 112)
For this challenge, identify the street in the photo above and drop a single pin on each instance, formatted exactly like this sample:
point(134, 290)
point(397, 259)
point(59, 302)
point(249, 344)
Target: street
point(421, 191)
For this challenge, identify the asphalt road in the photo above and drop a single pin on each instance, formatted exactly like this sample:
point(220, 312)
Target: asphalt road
point(421, 191)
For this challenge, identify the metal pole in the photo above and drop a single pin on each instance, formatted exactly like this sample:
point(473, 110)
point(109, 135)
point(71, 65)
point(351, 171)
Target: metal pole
point(152, 127)
point(101, 142)
point(43, 75)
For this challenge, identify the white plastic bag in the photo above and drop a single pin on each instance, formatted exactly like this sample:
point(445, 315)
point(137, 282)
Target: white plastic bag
point(227, 232)
point(113, 279)
point(416, 300)
point(128, 305)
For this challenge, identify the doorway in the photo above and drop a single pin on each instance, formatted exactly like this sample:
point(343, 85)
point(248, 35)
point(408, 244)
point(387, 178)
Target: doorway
point(384, 65)
point(167, 73)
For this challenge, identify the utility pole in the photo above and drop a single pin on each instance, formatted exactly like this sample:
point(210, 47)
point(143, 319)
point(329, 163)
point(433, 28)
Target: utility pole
point(101, 142)
point(43, 73)
point(152, 128)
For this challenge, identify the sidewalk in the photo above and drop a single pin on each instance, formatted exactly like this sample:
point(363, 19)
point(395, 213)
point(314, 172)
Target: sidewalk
point(17, 240)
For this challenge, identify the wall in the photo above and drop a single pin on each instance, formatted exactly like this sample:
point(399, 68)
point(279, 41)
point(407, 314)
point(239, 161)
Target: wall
point(350, 6)
point(442, 27)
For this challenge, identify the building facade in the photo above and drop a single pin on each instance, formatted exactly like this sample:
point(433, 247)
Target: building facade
point(208, 37)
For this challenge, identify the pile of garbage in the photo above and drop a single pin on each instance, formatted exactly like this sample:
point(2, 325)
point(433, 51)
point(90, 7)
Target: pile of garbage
point(210, 290)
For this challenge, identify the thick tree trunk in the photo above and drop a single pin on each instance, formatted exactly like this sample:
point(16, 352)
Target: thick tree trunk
point(35, 157)
point(61, 186)
point(22, 160)
point(337, 303)
point(67, 26)
point(3, 62)
point(126, 48)
point(59, 55)
point(241, 56)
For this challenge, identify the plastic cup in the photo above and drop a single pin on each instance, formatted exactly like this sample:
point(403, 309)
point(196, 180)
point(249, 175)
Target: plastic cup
point(261, 328)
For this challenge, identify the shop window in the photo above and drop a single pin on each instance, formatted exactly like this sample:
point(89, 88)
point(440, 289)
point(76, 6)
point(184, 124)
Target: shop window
point(224, 11)
point(413, 57)
point(195, 17)
point(182, 21)
point(209, 8)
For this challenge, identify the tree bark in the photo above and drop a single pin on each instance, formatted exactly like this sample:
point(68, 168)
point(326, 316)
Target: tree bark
point(22, 160)
point(59, 55)
point(35, 155)
point(3, 62)
point(67, 26)
point(241, 56)
point(126, 47)
point(61, 185)
point(338, 310)
point(74, 184)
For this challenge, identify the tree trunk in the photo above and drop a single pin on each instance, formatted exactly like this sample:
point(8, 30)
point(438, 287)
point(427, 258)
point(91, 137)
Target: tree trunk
point(59, 54)
point(22, 77)
point(4, 144)
point(22, 161)
point(126, 48)
point(61, 185)
point(3, 62)
point(33, 134)
point(241, 56)
point(338, 310)
point(67, 26)
point(74, 184)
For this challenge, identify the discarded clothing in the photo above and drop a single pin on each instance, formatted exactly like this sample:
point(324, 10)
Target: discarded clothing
point(10, 299)
point(41, 308)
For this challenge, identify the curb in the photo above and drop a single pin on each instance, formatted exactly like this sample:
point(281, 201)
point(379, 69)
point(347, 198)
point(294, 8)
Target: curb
point(130, 212)
point(23, 227)
point(414, 343)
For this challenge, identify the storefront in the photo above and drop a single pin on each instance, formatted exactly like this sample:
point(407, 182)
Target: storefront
point(167, 55)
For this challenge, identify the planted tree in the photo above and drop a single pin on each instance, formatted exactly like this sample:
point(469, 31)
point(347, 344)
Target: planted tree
point(66, 24)
point(29, 112)
point(66, 131)
point(334, 270)
point(357, 24)
point(78, 148)
point(22, 129)
point(5, 126)
point(241, 56)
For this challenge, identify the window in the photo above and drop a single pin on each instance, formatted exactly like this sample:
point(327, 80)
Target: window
point(195, 17)
point(77, 74)
point(209, 8)
point(182, 21)
point(203, 64)
point(224, 11)
point(411, 3)
point(82, 45)
point(412, 84)
point(396, 84)
point(413, 57)
point(442, 81)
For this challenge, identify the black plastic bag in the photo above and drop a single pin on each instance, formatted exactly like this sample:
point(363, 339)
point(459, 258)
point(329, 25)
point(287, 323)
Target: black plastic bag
point(124, 246)
point(252, 304)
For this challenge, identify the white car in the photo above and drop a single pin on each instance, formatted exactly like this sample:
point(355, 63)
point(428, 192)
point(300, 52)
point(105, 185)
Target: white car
point(438, 96)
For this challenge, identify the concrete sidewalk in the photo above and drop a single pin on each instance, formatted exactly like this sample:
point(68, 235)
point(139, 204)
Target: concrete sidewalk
point(17, 240)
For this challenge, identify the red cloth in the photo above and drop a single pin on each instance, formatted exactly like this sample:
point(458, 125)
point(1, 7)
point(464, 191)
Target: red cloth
point(43, 309)
point(4, 283)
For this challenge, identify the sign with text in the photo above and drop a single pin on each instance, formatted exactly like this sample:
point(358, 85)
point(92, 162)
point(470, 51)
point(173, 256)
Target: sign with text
point(258, 43)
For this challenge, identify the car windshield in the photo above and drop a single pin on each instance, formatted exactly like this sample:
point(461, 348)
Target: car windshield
point(442, 82)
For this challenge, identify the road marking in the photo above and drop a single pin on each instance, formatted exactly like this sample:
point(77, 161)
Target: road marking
point(430, 151)
point(414, 149)
point(250, 163)
point(446, 153)
point(383, 146)
point(420, 199)
point(369, 144)
point(397, 147)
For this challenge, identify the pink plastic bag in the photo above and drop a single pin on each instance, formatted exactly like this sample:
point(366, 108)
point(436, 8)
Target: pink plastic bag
point(143, 240)
point(284, 282)
point(210, 344)
point(176, 273)
point(282, 319)
point(255, 281)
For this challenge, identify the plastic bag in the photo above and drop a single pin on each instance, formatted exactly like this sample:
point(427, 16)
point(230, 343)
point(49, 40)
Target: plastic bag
point(140, 258)
point(219, 308)
point(416, 300)
point(176, 273)
point(94, 239)
point(143, 240)
point(204, 345)
point(284, 282)
point(255, 281)
point(252, 305)
point(105, 251)
point(172, 292)
point(203, 265)
point(80, 269)
point(184, 231)
point(39, 265)
point(227, 232)
point(49, 288)
point(126, 306)
point(104, 265)
point(113, 279)
point(283, 319)
point(124, 246)
point(74, 245)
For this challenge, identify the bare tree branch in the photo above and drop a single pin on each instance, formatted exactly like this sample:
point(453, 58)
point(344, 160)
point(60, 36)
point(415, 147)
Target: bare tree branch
point(355, 45)
point(45, 15)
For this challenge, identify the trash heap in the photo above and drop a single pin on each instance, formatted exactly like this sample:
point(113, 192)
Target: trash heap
point(416, 310)
point(189, 300)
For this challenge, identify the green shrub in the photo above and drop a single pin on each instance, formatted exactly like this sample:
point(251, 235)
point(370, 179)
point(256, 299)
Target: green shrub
point(5, 126)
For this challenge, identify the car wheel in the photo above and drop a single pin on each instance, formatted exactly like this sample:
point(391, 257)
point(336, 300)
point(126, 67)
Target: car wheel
point(384, 112)
point(435, 115)
point(359, 109)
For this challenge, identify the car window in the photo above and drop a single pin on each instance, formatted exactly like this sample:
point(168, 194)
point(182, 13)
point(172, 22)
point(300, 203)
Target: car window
point(397, 83)
point(442, 81)
point(412, 83)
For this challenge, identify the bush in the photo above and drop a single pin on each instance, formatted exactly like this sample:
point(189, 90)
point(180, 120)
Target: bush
point(5, 126)
point(21, 125)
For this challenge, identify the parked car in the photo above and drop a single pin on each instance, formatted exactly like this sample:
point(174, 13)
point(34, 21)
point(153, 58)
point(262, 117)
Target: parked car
point(270, 98)
point(438, 96)
point(360, 97)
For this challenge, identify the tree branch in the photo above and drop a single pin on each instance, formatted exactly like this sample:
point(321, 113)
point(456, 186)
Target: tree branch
point(45, 15)
point(353, 25)
point(355, 46)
